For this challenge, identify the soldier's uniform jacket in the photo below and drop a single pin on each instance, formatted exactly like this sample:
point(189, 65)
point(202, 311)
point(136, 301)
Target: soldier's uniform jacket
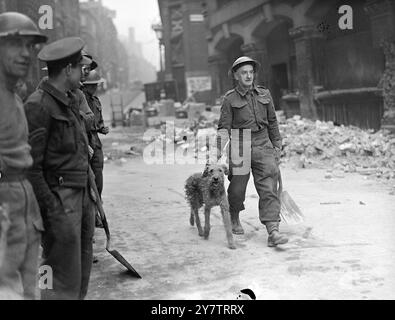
point(85, 110)
point(59, 143)
point(98, 126)
point(250, 109)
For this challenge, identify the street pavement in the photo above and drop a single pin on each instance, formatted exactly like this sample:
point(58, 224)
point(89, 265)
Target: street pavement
point(345, 249)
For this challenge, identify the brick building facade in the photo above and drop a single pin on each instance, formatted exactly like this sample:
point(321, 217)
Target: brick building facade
point(311, 65)
point(186, 51)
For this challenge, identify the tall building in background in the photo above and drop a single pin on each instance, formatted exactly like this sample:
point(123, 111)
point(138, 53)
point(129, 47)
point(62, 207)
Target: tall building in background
point(311, 65)
point(101, 36)
point(140, 70)
point(186, 48)
point(95, 24)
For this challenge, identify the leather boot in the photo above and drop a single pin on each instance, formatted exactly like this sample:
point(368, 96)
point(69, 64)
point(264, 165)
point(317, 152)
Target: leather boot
point(275, 237)
point(236, 225)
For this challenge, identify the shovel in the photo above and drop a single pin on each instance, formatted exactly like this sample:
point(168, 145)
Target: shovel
point(4, 227)
point(99, 206)
point(290, 212)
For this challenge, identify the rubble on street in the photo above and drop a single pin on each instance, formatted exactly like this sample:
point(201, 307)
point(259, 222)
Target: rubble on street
point(340, 149)
point(306, 144)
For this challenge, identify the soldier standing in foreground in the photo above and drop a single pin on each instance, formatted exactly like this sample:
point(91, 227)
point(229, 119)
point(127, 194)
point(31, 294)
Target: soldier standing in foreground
point(60, 170)
point(18, 271)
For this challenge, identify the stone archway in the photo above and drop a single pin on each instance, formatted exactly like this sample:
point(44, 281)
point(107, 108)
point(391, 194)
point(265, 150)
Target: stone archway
point(274, 48)
point(225, 48)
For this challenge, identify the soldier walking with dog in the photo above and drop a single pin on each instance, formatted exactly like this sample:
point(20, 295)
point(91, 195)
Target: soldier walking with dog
point(60, 150)
point(21, 234)
point(250, 109)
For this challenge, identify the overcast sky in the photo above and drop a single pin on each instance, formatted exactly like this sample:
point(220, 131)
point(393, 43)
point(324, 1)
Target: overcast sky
point(139, 14)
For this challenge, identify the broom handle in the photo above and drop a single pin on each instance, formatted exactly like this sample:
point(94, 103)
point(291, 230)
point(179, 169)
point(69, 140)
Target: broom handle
point(280, 182)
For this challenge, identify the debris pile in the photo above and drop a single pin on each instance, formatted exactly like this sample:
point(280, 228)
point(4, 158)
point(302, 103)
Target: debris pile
point(306, 144)
point(343, 149)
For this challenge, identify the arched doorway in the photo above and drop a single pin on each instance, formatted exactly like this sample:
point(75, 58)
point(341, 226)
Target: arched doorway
point(280, 64)
point(230, 50)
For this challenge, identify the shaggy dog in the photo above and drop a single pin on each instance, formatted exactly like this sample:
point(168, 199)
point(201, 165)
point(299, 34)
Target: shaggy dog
point(208, 189)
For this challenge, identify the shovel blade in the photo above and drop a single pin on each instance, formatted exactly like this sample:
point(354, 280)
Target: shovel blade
point(290, 211)
point(126, 264)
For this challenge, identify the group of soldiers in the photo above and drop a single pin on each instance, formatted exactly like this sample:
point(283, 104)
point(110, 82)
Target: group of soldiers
point(49, 146)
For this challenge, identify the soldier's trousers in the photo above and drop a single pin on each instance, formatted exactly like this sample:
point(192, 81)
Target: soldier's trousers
point(68, 245)
point(97, 164)
point(265, 172)
point(19, 270)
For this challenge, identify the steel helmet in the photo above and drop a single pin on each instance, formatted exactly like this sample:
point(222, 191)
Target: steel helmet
point(93, 78)
point(94, 64)
point(18, 24)
point(242, 61)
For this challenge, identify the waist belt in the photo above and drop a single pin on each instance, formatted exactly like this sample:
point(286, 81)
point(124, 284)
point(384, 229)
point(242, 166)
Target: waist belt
point(257, 138)
point(67, 179)
point(12, 175)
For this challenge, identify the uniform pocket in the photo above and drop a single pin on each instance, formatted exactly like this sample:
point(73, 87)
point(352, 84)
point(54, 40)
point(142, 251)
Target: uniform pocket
point(264, 159)
point(263, 107)
point(241, 111)
point(69, 199)
point(63, 135)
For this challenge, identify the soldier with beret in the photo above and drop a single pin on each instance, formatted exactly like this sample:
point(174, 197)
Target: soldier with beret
point(249, 108)
point(20, 220)
point(60, 170)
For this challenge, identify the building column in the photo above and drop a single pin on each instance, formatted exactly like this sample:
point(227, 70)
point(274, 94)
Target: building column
point(258, 51)
point(382, 16)
point(309, 55)
point(217, 66)
point(167, 64)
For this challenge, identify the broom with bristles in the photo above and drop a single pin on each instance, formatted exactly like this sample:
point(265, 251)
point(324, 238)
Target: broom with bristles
point(290, 212)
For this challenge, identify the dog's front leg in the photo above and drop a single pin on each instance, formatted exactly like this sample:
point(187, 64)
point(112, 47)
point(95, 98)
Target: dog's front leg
point(207, 210)
point(227, 224)
point(192, 218)
point(197, 220)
